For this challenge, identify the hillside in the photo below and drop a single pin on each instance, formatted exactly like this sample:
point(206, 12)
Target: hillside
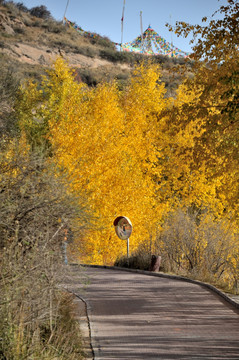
point(29, 44)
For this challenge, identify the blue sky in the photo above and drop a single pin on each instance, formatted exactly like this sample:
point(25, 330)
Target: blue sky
point(104, 16)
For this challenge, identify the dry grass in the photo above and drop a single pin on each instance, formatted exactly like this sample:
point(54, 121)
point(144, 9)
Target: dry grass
point(37, 319)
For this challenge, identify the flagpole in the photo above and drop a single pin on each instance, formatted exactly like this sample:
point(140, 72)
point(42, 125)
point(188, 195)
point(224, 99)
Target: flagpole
point(141, 29)
point(122, 26)
point(65, 11)
point(171, 33)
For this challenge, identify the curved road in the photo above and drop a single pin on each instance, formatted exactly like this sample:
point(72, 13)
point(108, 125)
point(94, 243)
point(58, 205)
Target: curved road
point(134, 316)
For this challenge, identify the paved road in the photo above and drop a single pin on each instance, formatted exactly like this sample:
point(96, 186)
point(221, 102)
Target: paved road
point(134, 316)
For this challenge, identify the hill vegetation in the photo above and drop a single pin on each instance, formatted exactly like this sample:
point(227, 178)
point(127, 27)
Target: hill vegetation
point(76, 154)
point(31, 39)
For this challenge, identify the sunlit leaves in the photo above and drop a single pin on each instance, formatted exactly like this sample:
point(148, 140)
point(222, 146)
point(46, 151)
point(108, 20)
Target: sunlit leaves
point(109, 144)
point(132, 153)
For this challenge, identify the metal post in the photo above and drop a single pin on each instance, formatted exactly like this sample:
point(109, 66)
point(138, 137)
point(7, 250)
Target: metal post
point(122, 26)
point(141, 29)
point(128, 248)
point(65, 11)
point(65, 252)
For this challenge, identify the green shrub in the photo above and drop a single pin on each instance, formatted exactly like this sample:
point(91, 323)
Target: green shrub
point(122, 56)
point(137, 261)
point(122, 80)
point(11, 7)
point(88, 76)
point(122, 76)
point(53, 26)
point(110, 55)
point(8, 91)
point(22, 7)
point(40, 12)
point(85, 50)
point(102, 41)
point(27, 21)
point(36, 23)
point(19, 30)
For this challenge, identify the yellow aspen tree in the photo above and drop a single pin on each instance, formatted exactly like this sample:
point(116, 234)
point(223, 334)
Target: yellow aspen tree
point(216, 72)
point(144, 104)
point(121, 163)
point(109, 143)
point(194, 166)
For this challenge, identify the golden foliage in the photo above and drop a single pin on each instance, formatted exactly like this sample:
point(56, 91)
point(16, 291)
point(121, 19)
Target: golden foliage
point(132, 152)
point(106, 141)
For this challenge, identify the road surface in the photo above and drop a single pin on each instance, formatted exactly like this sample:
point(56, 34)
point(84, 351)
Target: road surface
point(134, 316)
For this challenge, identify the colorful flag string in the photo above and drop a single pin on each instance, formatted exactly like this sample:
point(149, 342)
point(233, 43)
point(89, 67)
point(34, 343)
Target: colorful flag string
point(80, 30)
point(150, 43)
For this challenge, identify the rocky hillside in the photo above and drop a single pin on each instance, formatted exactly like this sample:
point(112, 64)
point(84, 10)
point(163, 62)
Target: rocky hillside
point(29, 44)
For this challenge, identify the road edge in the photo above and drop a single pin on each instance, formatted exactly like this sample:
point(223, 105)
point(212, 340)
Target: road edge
point(174, 277)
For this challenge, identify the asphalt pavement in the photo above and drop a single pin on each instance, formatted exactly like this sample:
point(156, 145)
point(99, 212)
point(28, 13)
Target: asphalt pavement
point(134, 316)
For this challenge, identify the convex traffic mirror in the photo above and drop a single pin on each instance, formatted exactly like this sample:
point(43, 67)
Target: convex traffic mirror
point(123, 227)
